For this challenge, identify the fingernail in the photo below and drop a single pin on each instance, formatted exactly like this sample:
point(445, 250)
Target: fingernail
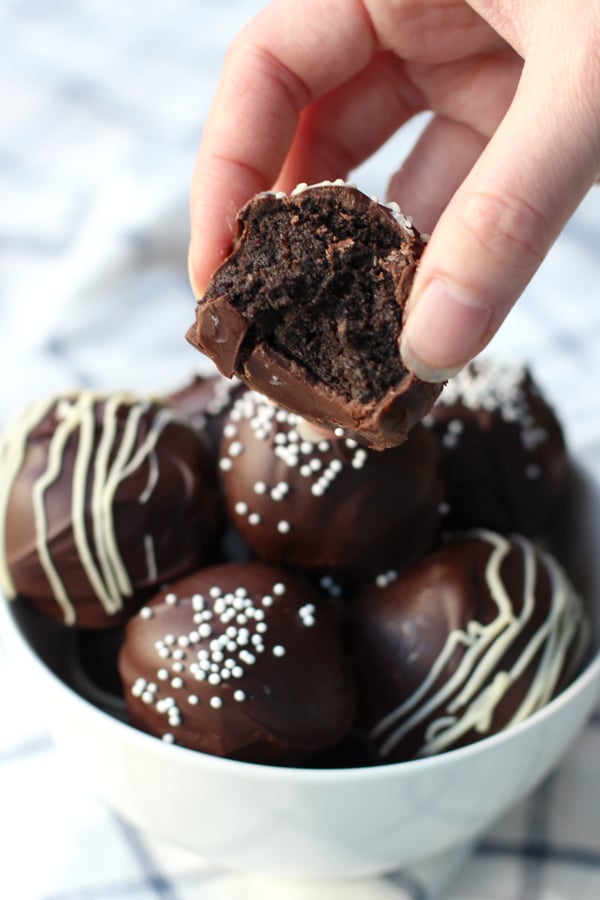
point(443, 331)
point(196, 288)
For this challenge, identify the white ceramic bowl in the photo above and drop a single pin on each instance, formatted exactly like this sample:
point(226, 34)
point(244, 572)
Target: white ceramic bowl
point(317, 823)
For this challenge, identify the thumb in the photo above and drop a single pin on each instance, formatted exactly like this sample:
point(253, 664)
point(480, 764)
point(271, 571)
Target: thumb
point(501, 222)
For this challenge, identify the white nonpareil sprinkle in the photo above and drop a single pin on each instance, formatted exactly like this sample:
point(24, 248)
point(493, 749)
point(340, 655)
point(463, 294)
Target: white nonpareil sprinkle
point(278, 650)
point(216, 702)
point(198, 602)
point(236, 448)
point(146, 612)
point(283, 527)
point(384, 579)
point(307, 614)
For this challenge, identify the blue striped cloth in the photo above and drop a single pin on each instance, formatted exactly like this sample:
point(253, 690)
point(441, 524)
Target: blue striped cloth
point(102, 109)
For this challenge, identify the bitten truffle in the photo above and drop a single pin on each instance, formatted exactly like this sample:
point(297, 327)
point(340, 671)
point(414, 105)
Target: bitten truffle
point(239, 660)
point(331, 506)
point(504, 459)
point(308, 310)
point(474, 638)
point(103, 497)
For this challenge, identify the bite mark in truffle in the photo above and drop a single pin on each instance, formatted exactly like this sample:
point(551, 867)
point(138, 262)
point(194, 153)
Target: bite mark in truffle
point(308, 310)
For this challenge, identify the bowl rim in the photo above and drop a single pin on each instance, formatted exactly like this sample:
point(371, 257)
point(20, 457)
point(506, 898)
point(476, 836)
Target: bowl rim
point(260, 771)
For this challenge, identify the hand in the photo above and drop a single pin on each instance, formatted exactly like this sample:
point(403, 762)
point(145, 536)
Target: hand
point(309, 90)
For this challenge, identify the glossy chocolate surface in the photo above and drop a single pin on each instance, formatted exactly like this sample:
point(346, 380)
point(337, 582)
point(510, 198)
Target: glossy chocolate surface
point(330, 505)
point(503, 453)
point(239, 660)
point(102, 498)
point(475, 637)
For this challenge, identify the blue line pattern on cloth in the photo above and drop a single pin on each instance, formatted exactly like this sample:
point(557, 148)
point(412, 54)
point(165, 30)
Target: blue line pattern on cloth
point(102, 110)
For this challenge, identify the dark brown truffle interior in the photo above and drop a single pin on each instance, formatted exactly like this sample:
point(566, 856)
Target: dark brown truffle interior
point(320, 283)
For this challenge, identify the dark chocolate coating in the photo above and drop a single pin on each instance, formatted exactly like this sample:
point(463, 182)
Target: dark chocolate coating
point(330, 506)
point(504, 459)
point(206, 400)
point(308, 308)
point(477, 635)
point(242, 660)
point(103, 497)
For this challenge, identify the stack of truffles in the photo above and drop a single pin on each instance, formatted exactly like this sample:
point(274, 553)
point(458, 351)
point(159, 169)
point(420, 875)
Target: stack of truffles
point(378, 592)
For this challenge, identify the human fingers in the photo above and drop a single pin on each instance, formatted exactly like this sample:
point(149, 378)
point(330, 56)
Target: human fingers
point(436, 166)
point(348, 124)
point(470, 97)
point(280, 63)
point(504, 217)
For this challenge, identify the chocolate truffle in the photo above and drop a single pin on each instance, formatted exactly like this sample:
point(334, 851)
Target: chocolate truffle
point(205, 400)
point(242, 660)
point(330, 506)
point(308, 310)
point(504, 460)
point(102, 497)
point(472, 639)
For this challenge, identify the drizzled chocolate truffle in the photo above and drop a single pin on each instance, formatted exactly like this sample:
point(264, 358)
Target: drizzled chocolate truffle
point(504, 460)
point(239, 660)
point(103, 497)
point(330, 506)
point(474, 638)
point(308, 307)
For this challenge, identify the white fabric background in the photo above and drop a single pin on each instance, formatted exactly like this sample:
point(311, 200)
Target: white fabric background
point(102, 106)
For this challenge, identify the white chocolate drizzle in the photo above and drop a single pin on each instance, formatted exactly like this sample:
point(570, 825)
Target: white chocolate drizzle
point(468, 699)
point(104, 458)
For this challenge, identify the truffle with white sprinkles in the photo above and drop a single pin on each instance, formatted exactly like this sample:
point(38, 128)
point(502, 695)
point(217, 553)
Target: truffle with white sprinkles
point(503, 453)
point(328, 506)
point(240, 684)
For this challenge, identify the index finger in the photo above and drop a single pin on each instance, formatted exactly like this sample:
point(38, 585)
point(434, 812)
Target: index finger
point(283, 60)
